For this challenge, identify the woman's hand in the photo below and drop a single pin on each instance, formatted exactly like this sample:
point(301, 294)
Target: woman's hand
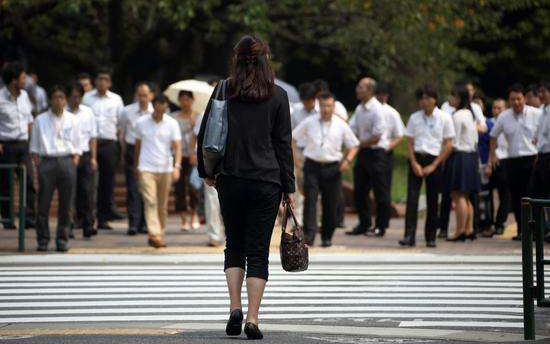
point(288, 198)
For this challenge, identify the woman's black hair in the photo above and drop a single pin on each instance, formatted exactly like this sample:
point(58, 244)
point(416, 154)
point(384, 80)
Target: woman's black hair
point(251, 77)
point(460, 91)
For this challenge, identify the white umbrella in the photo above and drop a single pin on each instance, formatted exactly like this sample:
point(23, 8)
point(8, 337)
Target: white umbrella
point(201, 93)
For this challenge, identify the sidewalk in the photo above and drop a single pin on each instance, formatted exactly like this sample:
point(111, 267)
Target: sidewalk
point(195, 241)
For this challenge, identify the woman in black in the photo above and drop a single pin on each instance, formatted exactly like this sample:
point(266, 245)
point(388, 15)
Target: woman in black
point(256, 173)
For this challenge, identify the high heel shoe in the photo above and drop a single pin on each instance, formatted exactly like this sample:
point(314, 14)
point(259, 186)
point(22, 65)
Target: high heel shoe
point(460, 237)
point(472, 236)
point(252, 331)
point(235, 322)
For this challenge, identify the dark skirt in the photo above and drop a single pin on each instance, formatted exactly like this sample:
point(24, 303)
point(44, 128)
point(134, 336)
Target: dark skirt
point(462, 172)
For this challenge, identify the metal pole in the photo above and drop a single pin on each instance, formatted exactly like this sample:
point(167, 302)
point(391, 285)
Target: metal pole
point(21, 170)
point(527, 260)
point(10, 194)
point(539, 251)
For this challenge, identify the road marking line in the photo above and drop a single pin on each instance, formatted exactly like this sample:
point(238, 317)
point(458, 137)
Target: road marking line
point(420, 323)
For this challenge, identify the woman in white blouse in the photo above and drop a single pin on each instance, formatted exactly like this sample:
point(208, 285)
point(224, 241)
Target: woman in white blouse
point(462, 177)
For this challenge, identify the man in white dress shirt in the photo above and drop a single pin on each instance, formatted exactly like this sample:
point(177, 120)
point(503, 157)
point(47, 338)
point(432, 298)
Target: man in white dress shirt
point(519, 125)
point(87, 163)
point(323, 137)
point(55, 149)
point(107, 107)
point(127, 125)
point(430, 132)
point(370, 172)
point(15, 125)
point(541, 179)
point(395, 130)
point(157, 164)
point(322, 86)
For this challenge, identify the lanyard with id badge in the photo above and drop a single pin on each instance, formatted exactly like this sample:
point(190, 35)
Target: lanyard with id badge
point(58, 132)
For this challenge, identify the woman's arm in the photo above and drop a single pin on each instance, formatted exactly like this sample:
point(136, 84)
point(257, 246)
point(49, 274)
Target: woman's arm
point(281, 138)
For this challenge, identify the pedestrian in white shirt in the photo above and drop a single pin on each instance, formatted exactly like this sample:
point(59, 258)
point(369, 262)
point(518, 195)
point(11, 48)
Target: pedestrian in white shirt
point(303, 110)
point(323, 136)
point(127, 133)
point(107, 107)
point(15, 125)
point(213, 218)
point(542, 169)
point(157, 164)
point(369, 123)
point(87, 164)
point(519, 126)
point(55, 148)
point(430, 132)
point(395, 129)
point(462, 179)
point(339, 108)
point(532, 97)
point(497, 175)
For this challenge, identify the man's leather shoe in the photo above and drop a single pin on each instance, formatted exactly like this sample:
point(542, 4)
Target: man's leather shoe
point(30, 224)
point(71, 234)
point(143, 230)
point(377, 232)
point(517, 238)
point(431, 243)
point(104, 225)
point(326, 243)
point(407, 242)
point(357, 231)
point(42, 247)
point(156, 242)
point(442, 235)
point(132, 231)
point(62, 248)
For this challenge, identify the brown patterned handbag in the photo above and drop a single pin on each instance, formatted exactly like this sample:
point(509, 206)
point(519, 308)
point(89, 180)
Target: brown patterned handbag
point(293, 249)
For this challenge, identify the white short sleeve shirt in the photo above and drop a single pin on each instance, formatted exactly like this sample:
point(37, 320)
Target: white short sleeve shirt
point(466, 131)
point(543, 131)
point(519, 130)
point(429, 132)
point(15, 116)
point(156, 143)
point(87, 126)
point(369, 121)
point(55, 136)
point(395, 126)
point(323, 140)
point(127, 124)
point(107, 110)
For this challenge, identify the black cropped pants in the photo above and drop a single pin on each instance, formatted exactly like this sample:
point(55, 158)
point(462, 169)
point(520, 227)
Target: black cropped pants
point(249, 209)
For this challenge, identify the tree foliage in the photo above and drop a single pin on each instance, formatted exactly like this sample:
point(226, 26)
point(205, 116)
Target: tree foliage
point(403, 42)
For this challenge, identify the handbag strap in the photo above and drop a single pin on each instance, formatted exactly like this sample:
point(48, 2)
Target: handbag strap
point(221, 89)
point(288, 211)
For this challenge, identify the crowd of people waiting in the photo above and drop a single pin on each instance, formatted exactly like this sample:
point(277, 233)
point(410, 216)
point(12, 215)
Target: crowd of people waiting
point(74, 141)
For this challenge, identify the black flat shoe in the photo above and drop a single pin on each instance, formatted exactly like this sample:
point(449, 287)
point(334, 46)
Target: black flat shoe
point(252, 331)
point(357, 231)
point(235, 322)
point(431, 244)
point(407, 241)
point(460, 237)
point(471, 236)
point(326, 243)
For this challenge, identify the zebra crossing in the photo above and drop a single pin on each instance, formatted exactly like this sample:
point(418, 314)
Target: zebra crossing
point(400, 294)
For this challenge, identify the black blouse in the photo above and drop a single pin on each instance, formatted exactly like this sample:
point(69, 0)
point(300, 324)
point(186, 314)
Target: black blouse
point(258, 141)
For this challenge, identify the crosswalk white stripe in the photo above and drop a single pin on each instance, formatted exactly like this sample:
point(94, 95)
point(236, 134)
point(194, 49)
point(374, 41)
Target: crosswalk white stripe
point(221, 278)
point(214, 284)
point(217, 317)
point(126, 288)
point(411, 311)
point(267, 294)
point(43, 304)
point(420, 323)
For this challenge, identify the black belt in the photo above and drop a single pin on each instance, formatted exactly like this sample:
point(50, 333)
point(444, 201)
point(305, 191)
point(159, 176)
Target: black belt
point(13, 142)
point(544, 155)
point(61, 157)
point(103, 141)
point(330, 163)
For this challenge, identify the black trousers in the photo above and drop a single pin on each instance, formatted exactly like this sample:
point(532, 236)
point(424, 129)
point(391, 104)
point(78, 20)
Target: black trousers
point(520, 173)
point(433, 189)
point(83, 199)
point(541, 177)
point(134, 201)
point(499, 181)
point(324, 179)
point(55, 174)
point(17, 152)
point(249, 209)
point(186, 197)
point(107, 157)
point(371, 172)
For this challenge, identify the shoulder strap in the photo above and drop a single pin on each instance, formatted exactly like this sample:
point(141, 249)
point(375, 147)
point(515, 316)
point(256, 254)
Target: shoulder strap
point(220, 89)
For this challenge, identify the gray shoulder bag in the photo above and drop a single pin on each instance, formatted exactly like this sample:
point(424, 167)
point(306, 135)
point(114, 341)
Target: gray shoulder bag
point(215, 133)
